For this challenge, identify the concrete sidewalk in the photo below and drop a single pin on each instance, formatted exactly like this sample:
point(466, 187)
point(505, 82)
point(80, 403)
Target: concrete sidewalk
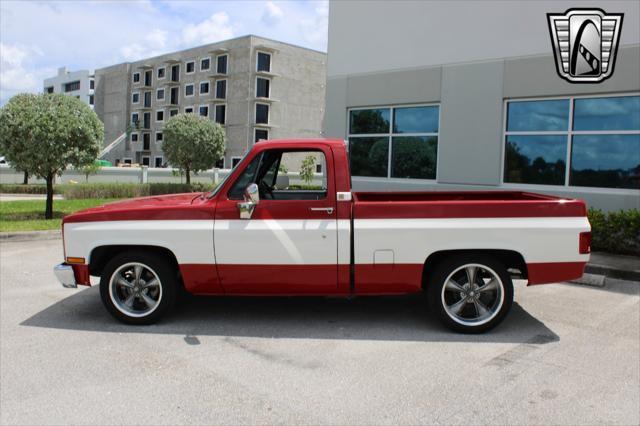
point(24, 197)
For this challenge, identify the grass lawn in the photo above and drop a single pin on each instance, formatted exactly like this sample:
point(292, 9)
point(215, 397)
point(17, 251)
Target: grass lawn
point(28, 215)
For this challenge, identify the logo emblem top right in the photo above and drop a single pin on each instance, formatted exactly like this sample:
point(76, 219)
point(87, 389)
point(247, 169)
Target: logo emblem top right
point(585, 43)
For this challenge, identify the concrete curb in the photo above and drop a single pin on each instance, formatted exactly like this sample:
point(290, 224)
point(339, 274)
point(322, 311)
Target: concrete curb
point(9, 237)
point(612, 272)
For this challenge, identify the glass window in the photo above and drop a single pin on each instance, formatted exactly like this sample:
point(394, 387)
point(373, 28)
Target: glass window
point(160, 94)
point(221, 114)
point(161, 72)
point(205, 64)
point(190, 67)
point(536, 159)
point(204, 111)
point(415, 120)
point(600, 156)
point(605, 161)
point(188, 90)
point(159, 136)
point(160, 115)
point(221, 64)
point(369, 156)
point(619, 113)
point(135, 98)
point(92, 84)
point(221, 89)
point(264, 62)
point(530, 116)
point(262, 88)
point(136, 77)
point(262, 114)
point(261, 134)
point(248, 176)
point(367, 121)
point(204, 87)
point(414, 157)
point(173, 112)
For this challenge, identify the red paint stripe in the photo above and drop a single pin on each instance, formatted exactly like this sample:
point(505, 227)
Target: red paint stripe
point(436, 205)
point(323, 279)
point(544, 273)
point(388, 279)
point(200, 278)
point(279, 279)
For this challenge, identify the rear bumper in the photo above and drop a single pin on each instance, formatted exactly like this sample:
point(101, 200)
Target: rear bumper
point(71, 276)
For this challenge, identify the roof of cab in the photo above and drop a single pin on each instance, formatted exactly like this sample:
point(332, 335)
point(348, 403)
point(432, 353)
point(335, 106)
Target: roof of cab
point(323, 141)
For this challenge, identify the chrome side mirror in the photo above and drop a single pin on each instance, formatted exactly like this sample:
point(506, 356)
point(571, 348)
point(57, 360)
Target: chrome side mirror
point(251, 200)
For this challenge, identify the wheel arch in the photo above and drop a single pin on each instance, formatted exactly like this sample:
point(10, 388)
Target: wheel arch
point(512, 260)
point(100, 256)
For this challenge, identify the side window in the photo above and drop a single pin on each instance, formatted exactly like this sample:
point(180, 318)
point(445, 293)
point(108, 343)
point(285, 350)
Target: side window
point(248, 176)
point(293, 175)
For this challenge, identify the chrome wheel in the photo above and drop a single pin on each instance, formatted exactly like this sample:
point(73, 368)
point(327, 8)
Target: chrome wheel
point(472, 294)
point(135, 289)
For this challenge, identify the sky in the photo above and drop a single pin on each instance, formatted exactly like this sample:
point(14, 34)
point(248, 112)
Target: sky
point(38, 37)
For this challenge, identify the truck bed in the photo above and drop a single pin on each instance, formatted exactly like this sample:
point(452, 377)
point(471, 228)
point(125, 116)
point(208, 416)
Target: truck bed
point(480, 204)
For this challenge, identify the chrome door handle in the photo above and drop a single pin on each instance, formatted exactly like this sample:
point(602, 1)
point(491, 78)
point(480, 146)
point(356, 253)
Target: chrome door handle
point(329, 210)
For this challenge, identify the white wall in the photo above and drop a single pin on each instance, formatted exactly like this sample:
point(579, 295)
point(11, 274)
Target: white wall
point(64, 76)
point(370, 36)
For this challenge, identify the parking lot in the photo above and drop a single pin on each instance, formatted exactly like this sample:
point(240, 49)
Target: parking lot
point(566, 354)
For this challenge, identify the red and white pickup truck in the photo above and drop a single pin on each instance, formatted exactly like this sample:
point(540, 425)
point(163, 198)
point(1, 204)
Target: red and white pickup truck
point(259, 234)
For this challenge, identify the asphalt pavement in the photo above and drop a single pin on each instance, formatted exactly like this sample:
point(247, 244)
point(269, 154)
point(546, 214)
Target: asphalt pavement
point(566, 354)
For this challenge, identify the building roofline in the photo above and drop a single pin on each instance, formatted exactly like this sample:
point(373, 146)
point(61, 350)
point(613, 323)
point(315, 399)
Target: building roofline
point(248, 36)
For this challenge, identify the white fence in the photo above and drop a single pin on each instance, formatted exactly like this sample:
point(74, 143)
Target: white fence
point(120, 175)
point(142, 174)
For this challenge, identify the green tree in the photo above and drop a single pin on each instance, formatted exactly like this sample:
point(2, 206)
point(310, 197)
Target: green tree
point(192, 143)
point(307, 169)
point(47, 133)
point(90, 169)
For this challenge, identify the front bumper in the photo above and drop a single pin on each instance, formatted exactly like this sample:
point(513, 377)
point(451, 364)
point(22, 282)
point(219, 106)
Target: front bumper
point(65, 275)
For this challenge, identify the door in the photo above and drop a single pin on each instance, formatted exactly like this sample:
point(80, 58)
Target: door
point(289, 245)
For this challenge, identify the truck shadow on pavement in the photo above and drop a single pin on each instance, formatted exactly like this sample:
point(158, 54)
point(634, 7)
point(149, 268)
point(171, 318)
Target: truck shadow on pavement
point(391, 318)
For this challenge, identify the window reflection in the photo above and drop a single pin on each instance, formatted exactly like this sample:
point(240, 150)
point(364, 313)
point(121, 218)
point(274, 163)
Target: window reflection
point(369, 156)
point(367, 121)
point(620, 113)
point(415, 120)
point(414, 157)
point(606, 161)
point(529, 116)
point(535, 159)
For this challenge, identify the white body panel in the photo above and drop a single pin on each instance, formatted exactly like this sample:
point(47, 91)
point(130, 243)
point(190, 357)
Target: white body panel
point(191, 241)
point(538, 240)
point(325, 242)
point(276, 242)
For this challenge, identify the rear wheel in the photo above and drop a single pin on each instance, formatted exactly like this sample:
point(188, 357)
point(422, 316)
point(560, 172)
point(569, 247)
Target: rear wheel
point(138, 288)
point(470, 293)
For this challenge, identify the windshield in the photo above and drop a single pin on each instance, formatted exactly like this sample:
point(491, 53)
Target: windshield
point(215, 190)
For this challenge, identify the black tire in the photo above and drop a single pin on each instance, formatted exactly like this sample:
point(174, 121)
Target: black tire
point(495, 303)
point(165, 292)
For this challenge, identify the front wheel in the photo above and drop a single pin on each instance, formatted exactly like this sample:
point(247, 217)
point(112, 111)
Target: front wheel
point(470, 293)
point(138, 288)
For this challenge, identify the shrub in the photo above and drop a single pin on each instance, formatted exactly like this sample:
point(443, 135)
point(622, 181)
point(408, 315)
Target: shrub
point(615, 232)
point(9, 188)
point(104, 190)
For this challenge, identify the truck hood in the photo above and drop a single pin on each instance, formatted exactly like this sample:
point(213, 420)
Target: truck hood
point(164, 207)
